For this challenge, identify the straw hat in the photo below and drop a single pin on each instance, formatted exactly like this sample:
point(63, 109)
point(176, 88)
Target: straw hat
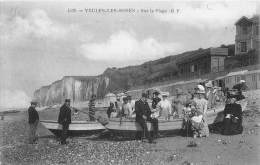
point(209, 84)
point(242, 81)
point(165, 94)
point(200, 89)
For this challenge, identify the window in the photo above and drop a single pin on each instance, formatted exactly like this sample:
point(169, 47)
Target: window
point(192, 68)
point(256, 29)
point(196, 68)
point(244, 29)
point(253, 77)
point(243, 47)
point(238, 78)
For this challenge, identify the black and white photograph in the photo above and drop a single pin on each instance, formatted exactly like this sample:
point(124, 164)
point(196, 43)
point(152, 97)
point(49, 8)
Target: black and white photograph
point(129, 82)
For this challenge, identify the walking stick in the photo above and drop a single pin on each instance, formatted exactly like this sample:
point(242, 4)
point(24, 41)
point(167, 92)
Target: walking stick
point(144, 131)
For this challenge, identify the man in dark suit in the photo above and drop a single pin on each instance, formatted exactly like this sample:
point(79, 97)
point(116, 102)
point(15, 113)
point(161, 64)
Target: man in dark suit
point(156, 99)
point(143, 114)
point(65, 119)
point(33, 122)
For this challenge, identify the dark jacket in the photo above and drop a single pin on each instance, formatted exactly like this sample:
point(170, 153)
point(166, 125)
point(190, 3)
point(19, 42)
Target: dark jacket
point(33, 115)
point(233, 125)
point(233, 109)
point(109, 111)
point(155, 101)
point(142, 108)
point(64, 115)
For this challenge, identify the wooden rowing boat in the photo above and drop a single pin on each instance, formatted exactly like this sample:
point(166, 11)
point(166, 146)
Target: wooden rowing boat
point(117, 125)
point(76, 128)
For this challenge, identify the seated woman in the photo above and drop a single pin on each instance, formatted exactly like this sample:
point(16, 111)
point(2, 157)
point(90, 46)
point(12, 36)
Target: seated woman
point(232, 124)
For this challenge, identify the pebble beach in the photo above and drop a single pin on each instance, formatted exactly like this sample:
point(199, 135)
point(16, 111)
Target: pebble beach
point(216, 149)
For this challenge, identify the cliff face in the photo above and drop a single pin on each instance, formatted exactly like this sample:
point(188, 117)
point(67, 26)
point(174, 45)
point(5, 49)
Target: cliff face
point(76, 88)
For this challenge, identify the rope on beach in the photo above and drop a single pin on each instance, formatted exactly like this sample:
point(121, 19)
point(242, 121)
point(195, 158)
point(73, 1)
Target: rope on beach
point(10, 146)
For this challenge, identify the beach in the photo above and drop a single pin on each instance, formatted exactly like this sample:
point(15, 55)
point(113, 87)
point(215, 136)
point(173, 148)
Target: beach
point(216, 149)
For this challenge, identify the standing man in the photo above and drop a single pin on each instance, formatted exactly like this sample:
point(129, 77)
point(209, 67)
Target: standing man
point(156, 99)
point(33, 122)
point(143, 114)
point(91, 107)
point(65, 119)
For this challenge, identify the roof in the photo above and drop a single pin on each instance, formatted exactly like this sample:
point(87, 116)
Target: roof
point(236, 73)
point(110, 95)
point(253, 71)
point(255, 19)
point(202, 53)
point(196, 54)
point(244, 20)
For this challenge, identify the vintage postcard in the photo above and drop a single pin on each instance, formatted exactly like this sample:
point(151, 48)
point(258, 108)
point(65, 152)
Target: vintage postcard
point(129, 82)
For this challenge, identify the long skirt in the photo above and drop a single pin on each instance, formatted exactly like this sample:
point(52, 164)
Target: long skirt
point(200, 129)
point(232, 128)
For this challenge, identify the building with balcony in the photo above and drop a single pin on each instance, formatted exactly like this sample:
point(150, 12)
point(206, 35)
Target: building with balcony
point(202, 62)
point(247, 35)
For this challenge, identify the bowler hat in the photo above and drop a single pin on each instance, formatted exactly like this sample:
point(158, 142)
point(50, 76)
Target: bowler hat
point(67, 100)
point(33, 102)
point(156, 93)
point(144, 95)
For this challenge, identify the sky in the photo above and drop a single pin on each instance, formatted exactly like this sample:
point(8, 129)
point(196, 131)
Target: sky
point(41, 42)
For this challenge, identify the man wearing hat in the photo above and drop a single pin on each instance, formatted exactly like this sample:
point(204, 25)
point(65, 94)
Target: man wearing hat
point(65, 119)
point(143, 114)
point(156, 99)
point(33, 122)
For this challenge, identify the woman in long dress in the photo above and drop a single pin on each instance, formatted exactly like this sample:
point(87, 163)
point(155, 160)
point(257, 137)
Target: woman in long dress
point(232, 124)
point(200, 105)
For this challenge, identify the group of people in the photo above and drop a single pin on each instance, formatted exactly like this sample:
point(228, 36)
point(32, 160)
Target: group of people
point(191, 107)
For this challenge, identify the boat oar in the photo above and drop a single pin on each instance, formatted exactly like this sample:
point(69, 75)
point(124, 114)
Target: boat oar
point(103, 122)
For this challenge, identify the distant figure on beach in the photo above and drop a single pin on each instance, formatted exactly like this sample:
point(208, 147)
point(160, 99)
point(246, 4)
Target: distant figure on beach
point(232, 124)
point(110, 109)
point(156, 99)
point(178, 103)
point(91, 106)
point(65, 119)
point(126, 108)
point(164, 106)
point(210, 94)
point(33, 122)
point(132, 107)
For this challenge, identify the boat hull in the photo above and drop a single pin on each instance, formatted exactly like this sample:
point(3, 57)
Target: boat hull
point(76, 128)
point(130, 126)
